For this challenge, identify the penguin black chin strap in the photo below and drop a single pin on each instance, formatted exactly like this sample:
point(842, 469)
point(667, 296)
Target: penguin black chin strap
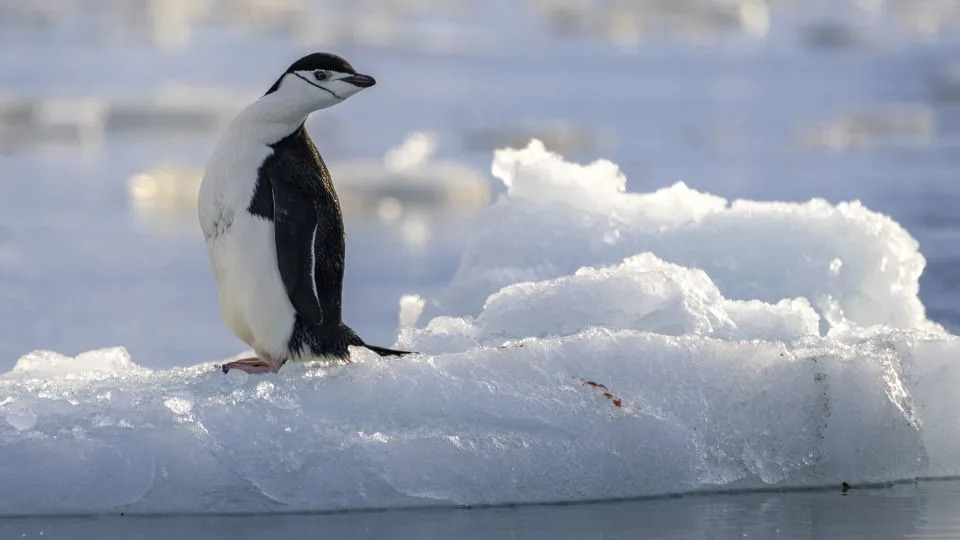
point(311, 83)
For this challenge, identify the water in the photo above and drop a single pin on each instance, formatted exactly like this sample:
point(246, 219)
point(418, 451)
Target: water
point(921, 510)
point(84, 267)
point(789, 116)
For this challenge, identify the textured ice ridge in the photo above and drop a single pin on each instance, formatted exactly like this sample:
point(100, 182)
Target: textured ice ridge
point(595, 343)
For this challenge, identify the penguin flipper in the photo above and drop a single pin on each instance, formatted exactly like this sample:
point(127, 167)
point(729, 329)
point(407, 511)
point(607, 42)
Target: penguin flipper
point(296, 220)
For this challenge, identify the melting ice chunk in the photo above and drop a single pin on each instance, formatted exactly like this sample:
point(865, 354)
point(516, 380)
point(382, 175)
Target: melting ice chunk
point(94, 363)
point(22, 421)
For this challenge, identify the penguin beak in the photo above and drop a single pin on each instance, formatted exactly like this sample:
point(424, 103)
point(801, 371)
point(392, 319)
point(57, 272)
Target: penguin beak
point(360, 80)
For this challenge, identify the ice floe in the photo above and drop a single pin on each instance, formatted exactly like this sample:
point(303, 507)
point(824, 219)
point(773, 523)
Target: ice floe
point(594, 343)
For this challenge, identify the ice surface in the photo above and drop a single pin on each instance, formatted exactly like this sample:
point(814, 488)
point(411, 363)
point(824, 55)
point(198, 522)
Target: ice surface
point(594, 344)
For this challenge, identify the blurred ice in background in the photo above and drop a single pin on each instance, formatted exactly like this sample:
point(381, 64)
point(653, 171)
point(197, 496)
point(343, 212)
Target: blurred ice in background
point(109, 108)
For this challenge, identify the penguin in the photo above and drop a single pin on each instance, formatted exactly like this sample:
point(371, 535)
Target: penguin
point(273, 226)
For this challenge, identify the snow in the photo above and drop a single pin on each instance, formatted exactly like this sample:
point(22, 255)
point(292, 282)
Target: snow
point(851, 264)
point(594, 343)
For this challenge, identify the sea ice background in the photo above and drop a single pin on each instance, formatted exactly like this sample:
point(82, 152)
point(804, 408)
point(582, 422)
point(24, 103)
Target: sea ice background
point(737, 337)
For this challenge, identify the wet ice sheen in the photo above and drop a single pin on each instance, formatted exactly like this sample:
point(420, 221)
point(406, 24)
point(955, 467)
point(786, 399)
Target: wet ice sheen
point(741, 345)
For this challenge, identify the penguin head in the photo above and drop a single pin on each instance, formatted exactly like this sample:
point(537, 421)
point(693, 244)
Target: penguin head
point(318, 81)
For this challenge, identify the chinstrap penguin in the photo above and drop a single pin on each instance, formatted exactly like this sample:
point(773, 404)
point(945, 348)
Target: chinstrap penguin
point(273, 226)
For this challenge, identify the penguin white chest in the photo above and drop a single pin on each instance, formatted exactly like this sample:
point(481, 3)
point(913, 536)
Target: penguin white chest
point(242, 250)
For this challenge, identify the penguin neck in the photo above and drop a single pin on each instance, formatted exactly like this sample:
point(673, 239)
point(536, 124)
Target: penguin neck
point(268, 121)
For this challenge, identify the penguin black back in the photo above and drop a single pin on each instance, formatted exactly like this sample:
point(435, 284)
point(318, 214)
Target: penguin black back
point(296, 165)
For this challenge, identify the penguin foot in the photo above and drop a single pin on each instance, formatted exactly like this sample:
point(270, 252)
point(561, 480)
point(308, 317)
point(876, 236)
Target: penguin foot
point(255, 365)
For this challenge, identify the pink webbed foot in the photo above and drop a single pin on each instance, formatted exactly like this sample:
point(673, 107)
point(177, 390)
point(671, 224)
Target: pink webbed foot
point(254, 365)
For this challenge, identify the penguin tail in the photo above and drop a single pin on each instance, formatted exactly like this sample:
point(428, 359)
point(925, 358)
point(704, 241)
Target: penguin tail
point(354, 339)
point(383, 351)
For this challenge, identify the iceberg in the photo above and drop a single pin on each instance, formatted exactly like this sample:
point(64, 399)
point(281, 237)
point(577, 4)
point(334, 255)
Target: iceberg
point(594, 344)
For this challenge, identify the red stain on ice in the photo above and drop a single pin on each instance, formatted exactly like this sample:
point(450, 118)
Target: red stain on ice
point(617, 402)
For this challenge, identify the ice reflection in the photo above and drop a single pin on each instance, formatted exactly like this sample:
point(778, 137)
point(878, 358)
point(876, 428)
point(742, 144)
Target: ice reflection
point(896, 124)
point(85, 121)
point(405, 186)
point(444, 26)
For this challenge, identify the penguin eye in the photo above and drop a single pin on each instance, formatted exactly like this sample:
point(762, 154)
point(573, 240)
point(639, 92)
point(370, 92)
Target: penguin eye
point(320, 75)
